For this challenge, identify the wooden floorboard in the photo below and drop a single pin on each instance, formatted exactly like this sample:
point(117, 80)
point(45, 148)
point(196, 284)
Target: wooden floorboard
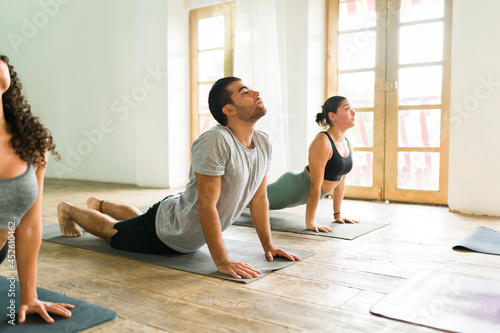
point(331, 291)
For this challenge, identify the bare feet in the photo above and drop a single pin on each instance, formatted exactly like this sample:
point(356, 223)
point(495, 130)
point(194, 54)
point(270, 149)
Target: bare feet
point(94, 203)
point(66, 224)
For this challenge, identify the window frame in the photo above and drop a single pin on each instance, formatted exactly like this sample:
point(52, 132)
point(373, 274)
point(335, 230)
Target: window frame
point(195, 15)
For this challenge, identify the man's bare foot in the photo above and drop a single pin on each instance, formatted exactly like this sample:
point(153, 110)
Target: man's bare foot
point(66, 224)
point(94, 203)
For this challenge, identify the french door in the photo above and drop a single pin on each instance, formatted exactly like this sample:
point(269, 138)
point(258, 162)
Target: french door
point(391, 59)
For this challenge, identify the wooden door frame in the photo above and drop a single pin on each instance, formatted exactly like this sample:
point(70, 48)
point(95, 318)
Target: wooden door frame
point(226, 10)
point(331, 88)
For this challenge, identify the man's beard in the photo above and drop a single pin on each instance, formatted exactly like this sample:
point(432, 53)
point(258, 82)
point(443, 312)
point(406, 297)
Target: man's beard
point(251, 115)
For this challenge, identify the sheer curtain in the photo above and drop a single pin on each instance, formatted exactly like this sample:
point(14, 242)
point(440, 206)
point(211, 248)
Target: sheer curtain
point(260, 61)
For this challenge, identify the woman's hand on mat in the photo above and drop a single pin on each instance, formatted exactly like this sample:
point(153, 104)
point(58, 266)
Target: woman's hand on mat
point(34, 305)
point(238, 269)
point(319, 227)
point(344, 220)
point(272, 252)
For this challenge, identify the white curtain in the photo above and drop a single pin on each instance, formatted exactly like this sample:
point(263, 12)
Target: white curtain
point(260, 61)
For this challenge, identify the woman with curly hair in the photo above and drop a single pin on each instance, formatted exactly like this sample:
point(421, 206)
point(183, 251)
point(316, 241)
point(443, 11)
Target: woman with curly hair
point(24, 149)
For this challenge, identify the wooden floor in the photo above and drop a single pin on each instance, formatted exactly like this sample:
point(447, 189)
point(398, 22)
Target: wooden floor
point(331, 291)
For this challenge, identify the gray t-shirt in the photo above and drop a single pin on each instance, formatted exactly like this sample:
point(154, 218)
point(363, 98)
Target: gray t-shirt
point(216, 152)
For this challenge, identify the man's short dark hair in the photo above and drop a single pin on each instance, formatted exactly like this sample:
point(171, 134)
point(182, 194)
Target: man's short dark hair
point(219, 97)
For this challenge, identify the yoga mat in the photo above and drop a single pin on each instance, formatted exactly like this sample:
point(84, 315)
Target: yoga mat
point(445, 301)
point(83, 316)
point(482, 239)
point(296, 223)
point(199, 262)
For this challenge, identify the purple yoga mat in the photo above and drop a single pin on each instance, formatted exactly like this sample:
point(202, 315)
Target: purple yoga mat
point(445, 301)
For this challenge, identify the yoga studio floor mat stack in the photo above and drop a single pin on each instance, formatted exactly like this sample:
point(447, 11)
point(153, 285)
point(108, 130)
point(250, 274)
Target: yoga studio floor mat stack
point(199, 262)
point(445, 301)
point(292, 222)
point(83, 316)
point(482, 239)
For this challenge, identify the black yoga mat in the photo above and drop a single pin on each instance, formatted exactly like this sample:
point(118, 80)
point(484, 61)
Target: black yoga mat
point(293, 222)
point(83, 316)
point(482, 239)
point(199, 262)
point(450, 302)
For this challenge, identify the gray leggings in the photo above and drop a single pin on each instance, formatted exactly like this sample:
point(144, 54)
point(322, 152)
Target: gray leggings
point(290, 190)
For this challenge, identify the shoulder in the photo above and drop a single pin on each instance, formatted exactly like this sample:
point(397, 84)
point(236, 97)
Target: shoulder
point(320, 150)
point(321, 141)
point(217, 141)
point(215, 135)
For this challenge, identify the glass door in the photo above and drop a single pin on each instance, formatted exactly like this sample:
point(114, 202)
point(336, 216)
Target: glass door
point(417, 112)
point(390, 58)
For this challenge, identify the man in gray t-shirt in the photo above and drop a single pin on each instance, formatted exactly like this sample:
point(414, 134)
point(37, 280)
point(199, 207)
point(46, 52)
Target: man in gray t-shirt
point(216, 153)
point(228, 173)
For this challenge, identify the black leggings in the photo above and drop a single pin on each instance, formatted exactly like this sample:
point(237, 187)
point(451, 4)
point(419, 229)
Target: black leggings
point(3, 251)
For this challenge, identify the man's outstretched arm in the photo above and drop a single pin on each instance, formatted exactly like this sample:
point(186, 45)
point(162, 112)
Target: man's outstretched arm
point(259, 210)
point(209, 188)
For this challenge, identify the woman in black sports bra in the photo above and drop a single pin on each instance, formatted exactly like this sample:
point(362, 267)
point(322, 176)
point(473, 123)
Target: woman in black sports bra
point(330, 158)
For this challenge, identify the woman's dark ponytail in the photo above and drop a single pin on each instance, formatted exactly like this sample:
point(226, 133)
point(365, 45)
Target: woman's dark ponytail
point(331, 105)
point(321, 119)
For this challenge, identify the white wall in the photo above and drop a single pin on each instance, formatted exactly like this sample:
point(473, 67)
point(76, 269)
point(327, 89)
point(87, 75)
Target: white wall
point(315, 69)
point(179, 151)
point(475, 113)
point(294, 25)
point(96, 72)
point(303, 74)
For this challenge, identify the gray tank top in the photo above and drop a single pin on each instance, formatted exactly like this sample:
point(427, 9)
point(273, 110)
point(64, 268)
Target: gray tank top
point(17, 195)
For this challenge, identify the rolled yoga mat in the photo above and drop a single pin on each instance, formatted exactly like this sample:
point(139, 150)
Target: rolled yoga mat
point(482, 239)
point(83, 316)
point(293, 222)
point(445, 301)
point(199, 262)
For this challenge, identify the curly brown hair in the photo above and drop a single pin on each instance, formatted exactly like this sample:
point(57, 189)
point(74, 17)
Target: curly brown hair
point(29, 136)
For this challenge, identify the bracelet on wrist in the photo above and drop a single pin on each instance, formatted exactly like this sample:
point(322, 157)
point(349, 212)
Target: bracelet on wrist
point(336, 214)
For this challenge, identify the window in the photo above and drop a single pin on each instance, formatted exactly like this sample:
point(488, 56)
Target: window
point(211, 58)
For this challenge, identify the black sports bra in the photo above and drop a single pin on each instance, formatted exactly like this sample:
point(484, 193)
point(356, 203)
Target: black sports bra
point(337, 166)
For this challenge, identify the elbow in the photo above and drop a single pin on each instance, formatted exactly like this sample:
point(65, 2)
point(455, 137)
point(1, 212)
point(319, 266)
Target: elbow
point(205, 208)
point(315, 187)
point(260, 201)
point(315, 190)
point(201, 211)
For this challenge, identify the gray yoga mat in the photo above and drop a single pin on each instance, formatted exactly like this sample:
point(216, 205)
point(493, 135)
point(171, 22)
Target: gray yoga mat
point(83, 316)
point(482, 239)
point(293, 222)
point(445, 301)
point(199, 262)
